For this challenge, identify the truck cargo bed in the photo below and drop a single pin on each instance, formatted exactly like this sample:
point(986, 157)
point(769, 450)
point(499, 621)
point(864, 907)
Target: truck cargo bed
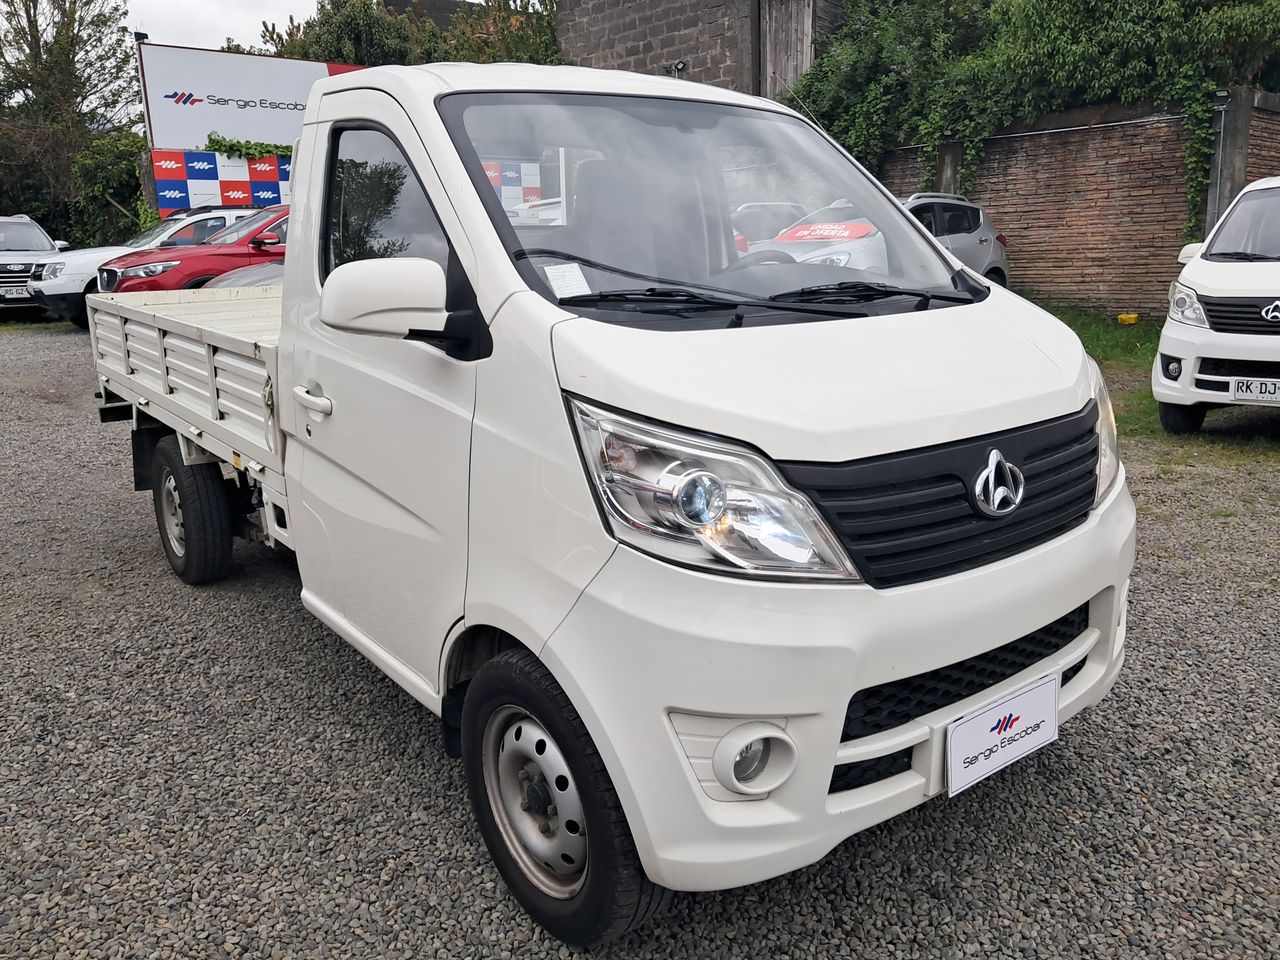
point(201, 361)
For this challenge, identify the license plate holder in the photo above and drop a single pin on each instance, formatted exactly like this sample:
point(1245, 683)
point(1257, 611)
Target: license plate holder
point(1255, 390)
point(1013, 727)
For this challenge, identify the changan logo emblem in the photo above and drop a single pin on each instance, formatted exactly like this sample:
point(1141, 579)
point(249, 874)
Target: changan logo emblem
point(999, 488)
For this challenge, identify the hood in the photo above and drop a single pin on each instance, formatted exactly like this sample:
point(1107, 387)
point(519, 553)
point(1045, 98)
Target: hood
point(1226, 278)
point(137, 258)
point(90, 258)
point(837, 389)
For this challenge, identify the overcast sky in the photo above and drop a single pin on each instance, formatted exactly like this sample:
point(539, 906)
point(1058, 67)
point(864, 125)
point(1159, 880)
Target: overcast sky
point(208, 23)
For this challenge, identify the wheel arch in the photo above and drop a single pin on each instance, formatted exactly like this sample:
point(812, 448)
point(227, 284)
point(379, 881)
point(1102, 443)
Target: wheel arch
point(462, 657)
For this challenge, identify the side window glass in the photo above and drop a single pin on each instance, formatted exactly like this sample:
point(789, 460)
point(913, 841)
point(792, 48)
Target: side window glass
point(955, 219)
point(926, 216)
point(184, 236)
point(375, 206)
point(207, 228)
point(975, 218)
point(281, 230)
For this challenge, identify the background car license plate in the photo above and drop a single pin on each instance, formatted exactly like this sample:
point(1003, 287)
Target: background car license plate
point(982, 743)
point(1260, 391)
point(12, 293)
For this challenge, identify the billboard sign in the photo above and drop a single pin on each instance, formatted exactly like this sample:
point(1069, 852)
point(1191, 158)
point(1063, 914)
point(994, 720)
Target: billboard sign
point(186, 179)
point(189, 93)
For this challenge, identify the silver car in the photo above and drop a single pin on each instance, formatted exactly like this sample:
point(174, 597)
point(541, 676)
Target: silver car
point(964, 229)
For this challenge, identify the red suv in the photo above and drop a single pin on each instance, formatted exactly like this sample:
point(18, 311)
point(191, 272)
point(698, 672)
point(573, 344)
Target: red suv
point(255, 239)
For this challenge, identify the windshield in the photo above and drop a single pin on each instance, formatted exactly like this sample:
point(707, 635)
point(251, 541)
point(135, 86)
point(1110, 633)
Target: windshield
point(244, 228)
point(1251, 230)
point(595, 193)
point(147, 237)
point(23, 235)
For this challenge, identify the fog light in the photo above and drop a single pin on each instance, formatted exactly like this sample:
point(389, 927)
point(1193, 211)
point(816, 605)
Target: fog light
point(750, 761)
point(1172, 366)
point(754, 758)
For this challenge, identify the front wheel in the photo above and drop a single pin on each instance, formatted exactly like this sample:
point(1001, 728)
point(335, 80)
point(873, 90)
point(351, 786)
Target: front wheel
point(1176, 418)
point(546, 807)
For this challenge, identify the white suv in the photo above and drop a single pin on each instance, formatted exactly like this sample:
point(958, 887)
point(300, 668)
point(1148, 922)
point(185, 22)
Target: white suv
point(1221, 342)
point(23, 245)
point(60, 286)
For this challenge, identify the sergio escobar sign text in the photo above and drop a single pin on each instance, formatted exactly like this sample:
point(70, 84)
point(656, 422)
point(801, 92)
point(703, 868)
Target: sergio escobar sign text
point(190, 93)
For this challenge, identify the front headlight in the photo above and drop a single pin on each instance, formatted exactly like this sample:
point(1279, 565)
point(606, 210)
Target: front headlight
point(703, 502)
point(1108, 441)
point(52, 270)
point(149, 269)
point(1184, 306)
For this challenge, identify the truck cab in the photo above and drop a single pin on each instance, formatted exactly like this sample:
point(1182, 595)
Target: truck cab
point(707, 559)
point(1220, 345)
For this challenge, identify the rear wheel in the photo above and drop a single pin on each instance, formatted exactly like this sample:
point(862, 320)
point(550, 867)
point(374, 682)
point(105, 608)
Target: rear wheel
point(192, 513)
point(1176, 418)
point(546, 807)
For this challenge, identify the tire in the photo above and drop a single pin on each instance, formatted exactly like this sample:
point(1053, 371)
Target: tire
point(80, 320)
point(1179, 419)
point(514, 697)
point(197, 540)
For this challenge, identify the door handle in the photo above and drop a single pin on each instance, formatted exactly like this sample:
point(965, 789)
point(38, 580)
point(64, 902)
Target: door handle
point(984, 239)
point(321, 405)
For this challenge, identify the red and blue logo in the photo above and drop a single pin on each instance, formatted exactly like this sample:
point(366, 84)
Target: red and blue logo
point(1004, 723)
point(184, 99)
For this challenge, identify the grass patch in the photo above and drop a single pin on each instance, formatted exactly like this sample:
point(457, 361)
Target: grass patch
point(36, 326)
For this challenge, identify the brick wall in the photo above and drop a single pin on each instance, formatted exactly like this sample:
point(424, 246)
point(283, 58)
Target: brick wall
point(1264, 144)
point(713, 37)
point(901, 171)
point(1094, 216)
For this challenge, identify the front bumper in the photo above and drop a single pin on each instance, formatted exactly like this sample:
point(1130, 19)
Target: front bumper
point(648, 640)
point(1192, 345)
point(65, 305)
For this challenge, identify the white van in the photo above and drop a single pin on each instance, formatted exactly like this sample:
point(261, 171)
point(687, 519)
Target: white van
point(1221, 342)
point(707, 560)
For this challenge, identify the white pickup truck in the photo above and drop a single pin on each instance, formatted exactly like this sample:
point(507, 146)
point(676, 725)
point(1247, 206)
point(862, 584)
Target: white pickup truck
point(706, 560)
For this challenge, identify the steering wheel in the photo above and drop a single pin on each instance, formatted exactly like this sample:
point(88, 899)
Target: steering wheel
point(760, 256)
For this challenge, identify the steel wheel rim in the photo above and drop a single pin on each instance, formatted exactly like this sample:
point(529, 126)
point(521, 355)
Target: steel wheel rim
point(547, 841)
point(171, 513)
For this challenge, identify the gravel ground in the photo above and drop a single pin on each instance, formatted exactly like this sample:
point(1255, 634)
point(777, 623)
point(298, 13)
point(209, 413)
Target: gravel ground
point(210, 772)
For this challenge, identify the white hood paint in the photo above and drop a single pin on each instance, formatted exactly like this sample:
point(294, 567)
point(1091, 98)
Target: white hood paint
point(90, 258)
point(833, 390)
point(1226, 278)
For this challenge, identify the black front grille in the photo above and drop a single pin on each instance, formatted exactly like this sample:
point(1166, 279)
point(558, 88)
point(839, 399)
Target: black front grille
point(1214, 367)
point(107, 280)
point(892, 704)
point(850, 776)
point(908, 517)
point(1240, 314)
point(1217, 386)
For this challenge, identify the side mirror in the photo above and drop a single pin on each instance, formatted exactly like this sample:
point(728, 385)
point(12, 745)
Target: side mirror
point(1189, 252)
point(268, 238)
point(62, 245)
point(392, 297)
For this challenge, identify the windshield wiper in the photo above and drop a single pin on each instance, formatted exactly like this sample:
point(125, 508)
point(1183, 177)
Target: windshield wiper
point(1241, 255)
point(857, 291)
point(677, 295)
point(685, 298)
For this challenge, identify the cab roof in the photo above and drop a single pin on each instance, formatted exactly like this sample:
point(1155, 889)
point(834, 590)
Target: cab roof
point(424, 83)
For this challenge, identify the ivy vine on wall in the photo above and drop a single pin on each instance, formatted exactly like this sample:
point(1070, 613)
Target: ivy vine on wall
point(246, 149)
point(923, 71)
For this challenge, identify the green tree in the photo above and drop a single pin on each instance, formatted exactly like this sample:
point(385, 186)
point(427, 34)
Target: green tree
point(104, 209)
point(66, 78)
point(504, 31)
point(919, 71)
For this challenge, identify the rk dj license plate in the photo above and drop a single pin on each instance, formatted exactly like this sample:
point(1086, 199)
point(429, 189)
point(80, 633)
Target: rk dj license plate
point(982, 743)
point(1259, 391)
